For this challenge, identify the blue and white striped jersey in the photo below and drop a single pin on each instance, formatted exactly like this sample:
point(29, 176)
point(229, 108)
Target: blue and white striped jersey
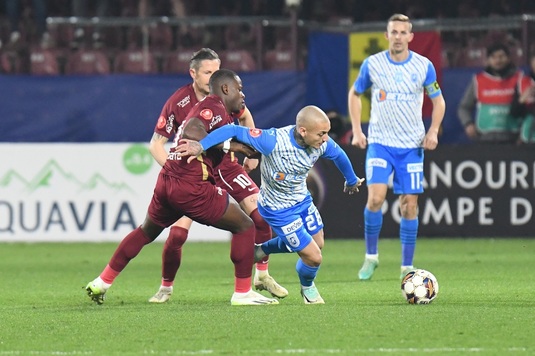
point(284, 171)
point(285, 165)
point(397, 97)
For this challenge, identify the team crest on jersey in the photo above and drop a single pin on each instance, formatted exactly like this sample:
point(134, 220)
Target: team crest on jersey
point(255, 132)
point(207, 114)
point(161, 123)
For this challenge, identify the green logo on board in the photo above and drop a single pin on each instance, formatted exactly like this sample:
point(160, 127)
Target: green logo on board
point(137, 159)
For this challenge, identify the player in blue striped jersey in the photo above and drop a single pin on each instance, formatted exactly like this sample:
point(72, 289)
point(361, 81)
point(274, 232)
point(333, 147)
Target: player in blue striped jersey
point(396, 135)
point(288, 154)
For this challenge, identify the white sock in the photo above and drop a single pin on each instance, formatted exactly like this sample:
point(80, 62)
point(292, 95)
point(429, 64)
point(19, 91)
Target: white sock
point(241, 295)
point(261, 273)
point(102, 283)
point(374, 257)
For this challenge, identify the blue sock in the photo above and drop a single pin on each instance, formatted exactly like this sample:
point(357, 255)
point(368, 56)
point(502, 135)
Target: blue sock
point(275, 245)
point(408, 231)
point(373, 221)
point(306, 274)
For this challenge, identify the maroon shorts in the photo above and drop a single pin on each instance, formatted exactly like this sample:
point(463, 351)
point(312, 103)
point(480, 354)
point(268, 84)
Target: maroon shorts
point(232, 177)
point(173, 198)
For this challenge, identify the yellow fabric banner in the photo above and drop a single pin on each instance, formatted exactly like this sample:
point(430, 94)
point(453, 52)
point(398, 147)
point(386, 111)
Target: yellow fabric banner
point(362, 45)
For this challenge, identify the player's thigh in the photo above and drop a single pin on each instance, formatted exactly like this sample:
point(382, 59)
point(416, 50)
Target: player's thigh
point(379, 165)
point(161, 210)
point(234, 219)
point(199, 200)
point(294, 225)
point(409, 172)
point(184, 222)
point(312, 218)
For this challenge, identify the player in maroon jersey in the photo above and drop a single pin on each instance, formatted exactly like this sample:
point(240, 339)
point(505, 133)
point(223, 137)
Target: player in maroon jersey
point(230, 176)
point(184, 189)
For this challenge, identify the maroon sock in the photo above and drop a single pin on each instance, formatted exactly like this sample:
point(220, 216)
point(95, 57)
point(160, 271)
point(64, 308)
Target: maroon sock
point(172, 252)
point(262, 232)
point(242, 252)
point(128, 249)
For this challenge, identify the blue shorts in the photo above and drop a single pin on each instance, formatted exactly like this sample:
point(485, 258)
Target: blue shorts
point(295, 225)
point(407, 164)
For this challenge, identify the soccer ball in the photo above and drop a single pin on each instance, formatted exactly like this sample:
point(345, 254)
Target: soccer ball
point(419, 287)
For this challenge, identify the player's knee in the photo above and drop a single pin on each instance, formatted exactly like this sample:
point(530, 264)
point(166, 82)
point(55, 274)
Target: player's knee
point(311, 258)
point(177, 237)
point(375, 203)
point(244, 223)
point(315, 260)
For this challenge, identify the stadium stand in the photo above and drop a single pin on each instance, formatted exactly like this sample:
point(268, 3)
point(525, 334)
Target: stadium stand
point(43, 62)
point(86, 62)
point(135, 61)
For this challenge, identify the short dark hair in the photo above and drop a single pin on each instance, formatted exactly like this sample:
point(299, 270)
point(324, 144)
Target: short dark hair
point(495, 47)
point(219, 77)
point(201, 55)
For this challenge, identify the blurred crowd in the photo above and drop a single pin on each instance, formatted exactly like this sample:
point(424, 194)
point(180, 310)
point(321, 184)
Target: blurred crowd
point(29, 45)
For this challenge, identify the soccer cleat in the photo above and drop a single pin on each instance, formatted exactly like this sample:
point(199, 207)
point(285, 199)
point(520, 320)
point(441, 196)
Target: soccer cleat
point(311, 295)
point(369, 266)
point(162, 296)
point(251, 298)
point(405, 270)
point(96, 291)
point(269, 284)
point(258, 253)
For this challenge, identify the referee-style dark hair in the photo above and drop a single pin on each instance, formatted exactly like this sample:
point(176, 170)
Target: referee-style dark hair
point(220, 77)
point(495, 47)
point(201, 55)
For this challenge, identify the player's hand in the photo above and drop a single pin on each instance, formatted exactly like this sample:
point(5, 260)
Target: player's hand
point(471, 131)
point(352, 189)
point(359, 140)
point(250, 164)
point(189, 148)
point(430, 141)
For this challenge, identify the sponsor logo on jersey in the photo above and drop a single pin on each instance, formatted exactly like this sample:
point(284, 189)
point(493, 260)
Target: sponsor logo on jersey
point(255, 132)
point(376, 162)
point(383, 96)
point(161, 123)
point(170, 123)
point(215, 120)
point(415, 167)
point(207, 114)
point(184, 102)
point(292, 227)
point(281, 176)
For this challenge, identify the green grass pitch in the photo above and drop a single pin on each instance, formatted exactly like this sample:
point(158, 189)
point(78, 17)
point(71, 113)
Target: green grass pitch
point(486, 303)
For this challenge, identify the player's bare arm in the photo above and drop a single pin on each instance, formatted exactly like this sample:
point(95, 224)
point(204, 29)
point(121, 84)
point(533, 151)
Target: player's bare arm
point(439, 109)
point(194, 129)
point(157, 148)
point(352, 189)
point(355, 107)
